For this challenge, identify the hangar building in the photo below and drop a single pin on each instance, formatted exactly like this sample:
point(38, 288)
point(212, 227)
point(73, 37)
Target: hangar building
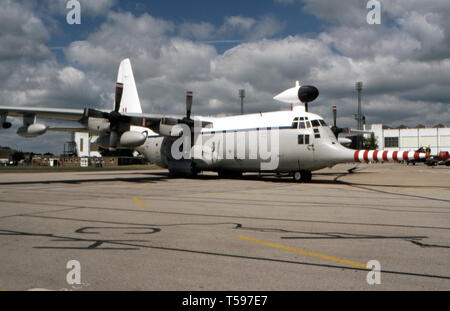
point(410, 139)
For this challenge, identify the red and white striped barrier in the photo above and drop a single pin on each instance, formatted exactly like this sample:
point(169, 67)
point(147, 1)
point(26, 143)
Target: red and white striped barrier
point(383, 155)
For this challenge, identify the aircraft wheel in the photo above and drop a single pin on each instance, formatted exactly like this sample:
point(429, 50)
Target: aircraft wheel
point(229, 174)
point(306, 176)
point(303, 176)
point(173, 174)
point(176, 174)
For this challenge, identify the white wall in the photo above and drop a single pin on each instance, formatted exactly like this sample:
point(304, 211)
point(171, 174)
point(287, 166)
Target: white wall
point(82, 141)
point(438, 139)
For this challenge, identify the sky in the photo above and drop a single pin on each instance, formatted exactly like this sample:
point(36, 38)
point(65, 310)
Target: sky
point(214, 48)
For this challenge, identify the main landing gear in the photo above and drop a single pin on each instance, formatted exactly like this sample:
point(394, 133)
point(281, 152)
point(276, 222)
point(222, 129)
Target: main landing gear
point(229, 174)
point(302, 176)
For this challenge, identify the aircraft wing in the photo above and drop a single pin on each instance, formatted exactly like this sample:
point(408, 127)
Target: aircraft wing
point(357, 132)
point(152, 121)
point(45, 113)
point(353, 131)
point(80, 114)
point(148, 120)
point(68, 129)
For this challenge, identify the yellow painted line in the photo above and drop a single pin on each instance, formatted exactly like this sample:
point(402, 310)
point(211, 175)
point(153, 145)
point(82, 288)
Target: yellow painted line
point(139, 202)
point(144, 186)
point(308, 253)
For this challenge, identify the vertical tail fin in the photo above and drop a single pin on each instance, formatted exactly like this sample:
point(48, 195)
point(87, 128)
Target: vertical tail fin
point(130, 99)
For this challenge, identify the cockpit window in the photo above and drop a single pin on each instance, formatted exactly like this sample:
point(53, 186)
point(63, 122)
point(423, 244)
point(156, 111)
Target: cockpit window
point(315, 123)
point(302, 125)
point(294, 124)
point(322, 122)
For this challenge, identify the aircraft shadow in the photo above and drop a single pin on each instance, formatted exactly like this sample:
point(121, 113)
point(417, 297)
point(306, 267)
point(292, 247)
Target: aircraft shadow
point(149, 179)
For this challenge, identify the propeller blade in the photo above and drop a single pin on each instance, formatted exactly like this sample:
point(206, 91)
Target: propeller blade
point(119, 92)
point(334, 115)
point(113, 139)
point(336, 130)
point(188, 104)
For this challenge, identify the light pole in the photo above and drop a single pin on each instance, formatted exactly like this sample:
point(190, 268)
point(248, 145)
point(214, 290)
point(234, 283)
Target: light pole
point(359, 117)
point(242, 95)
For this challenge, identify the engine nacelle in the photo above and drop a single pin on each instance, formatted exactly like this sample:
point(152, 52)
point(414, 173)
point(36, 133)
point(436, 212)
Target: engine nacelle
point(98, 125)
point(32, 130)
point(132, 139)
point(6, 125)
point(129, 139)
point(170, 127)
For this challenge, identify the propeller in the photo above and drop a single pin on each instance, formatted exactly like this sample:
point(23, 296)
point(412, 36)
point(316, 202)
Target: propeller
point(114, 118)
point(188, 105)
point(336, 130)
point(187, 120)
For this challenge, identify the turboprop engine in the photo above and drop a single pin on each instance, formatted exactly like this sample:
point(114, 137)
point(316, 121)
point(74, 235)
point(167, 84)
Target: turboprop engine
point(98, 125)
point(129, 139)
point(32, 130)
point(5, 125)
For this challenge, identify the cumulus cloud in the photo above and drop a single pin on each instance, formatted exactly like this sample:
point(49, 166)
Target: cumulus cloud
point(197, 31)
point(31, 76)
point(237, 28)
point(250, 28)
point(22, 35)
point(91, 8)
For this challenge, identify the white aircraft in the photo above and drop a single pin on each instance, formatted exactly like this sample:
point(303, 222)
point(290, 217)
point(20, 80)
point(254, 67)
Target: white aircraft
point(295, 141)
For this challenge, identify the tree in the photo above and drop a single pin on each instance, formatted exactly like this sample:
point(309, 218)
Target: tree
point(370, 143)
point(17, 156)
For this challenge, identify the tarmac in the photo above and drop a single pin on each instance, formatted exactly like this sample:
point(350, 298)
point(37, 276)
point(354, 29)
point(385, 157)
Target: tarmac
point(142, 230)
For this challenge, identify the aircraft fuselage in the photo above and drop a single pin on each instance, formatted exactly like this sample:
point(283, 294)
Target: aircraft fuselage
point(281, 141)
